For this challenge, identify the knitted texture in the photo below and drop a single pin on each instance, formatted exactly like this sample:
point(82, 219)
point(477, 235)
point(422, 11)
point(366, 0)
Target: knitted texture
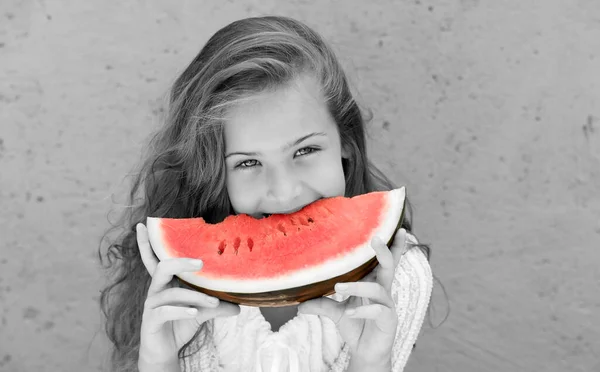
point(309, 343)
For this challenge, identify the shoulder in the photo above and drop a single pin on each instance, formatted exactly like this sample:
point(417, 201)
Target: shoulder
point(411, 238)
point(411, 292)
point(413, 270)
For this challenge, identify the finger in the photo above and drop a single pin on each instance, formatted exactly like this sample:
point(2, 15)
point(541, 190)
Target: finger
point(372, 291)
point(370, 277)
point(157, 317)
point(399, 247)
point(385, 318)
point(148, 258)
point(385, 271)
point(371, 311)
point(383, 253)
point(180, 297)
point(165, 270)
point(325, 307)
point(224, 309)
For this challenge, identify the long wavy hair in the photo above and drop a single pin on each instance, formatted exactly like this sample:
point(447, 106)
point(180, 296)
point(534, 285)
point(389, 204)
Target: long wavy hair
point(183, 171)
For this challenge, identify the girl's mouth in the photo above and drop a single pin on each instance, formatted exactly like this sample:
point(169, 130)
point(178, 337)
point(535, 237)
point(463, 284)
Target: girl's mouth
point(264, 215)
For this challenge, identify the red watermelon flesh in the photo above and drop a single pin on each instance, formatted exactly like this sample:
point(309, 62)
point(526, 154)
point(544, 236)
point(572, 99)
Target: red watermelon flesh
point(242, 254)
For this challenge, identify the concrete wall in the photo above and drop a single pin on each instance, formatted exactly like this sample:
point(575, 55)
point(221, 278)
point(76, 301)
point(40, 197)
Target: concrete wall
point(489, 112)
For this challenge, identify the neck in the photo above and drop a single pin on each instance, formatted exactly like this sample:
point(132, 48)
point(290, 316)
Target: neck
point(278, 316)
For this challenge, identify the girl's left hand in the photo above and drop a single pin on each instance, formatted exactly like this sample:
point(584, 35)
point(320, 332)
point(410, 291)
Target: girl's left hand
point(367, 321)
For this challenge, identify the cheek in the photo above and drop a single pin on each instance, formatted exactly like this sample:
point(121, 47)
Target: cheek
point(243, 198)
point(329, 178)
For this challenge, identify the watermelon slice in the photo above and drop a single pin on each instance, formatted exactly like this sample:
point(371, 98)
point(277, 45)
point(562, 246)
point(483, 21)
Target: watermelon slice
point(282, 259)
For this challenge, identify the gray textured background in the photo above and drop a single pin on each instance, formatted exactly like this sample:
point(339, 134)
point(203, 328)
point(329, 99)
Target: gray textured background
point(489, 112)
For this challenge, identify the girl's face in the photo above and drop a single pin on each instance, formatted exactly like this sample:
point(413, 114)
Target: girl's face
point(282, 151)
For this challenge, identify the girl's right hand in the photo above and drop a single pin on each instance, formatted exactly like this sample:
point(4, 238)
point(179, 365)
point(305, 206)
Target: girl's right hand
point(171, 315)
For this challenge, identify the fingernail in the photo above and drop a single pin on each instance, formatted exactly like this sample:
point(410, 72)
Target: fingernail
point(192, 311)
point(213, 300)
point(350, 312)
point(341, 286)
point(198, 263)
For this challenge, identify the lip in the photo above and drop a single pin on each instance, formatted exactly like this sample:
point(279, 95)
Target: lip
point(288, 211)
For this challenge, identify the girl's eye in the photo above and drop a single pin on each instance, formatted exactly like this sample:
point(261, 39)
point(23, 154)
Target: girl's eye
point(306, 151)
point(247, 164)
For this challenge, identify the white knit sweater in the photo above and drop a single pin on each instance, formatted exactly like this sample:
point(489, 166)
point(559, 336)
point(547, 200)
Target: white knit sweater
point(309, 343)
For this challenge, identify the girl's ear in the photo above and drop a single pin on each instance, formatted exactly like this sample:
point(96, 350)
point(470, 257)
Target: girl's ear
point(345, 152)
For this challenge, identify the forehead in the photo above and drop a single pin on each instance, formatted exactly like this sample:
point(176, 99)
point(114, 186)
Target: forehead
point(270, 119)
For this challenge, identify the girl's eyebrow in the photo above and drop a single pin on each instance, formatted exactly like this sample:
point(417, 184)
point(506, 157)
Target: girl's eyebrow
point(285, 147)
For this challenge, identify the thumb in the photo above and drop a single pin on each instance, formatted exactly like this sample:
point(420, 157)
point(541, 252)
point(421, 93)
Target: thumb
point(227, 309)
point(325, 307)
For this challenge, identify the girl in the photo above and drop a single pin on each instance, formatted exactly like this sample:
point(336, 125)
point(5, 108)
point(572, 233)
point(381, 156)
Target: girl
point(262, 121)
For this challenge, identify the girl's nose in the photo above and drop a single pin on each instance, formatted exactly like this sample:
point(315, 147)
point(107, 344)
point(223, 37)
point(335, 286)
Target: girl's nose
point(283, 186)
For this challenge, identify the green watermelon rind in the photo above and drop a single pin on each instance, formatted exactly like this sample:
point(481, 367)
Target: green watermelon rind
point(334, 267)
